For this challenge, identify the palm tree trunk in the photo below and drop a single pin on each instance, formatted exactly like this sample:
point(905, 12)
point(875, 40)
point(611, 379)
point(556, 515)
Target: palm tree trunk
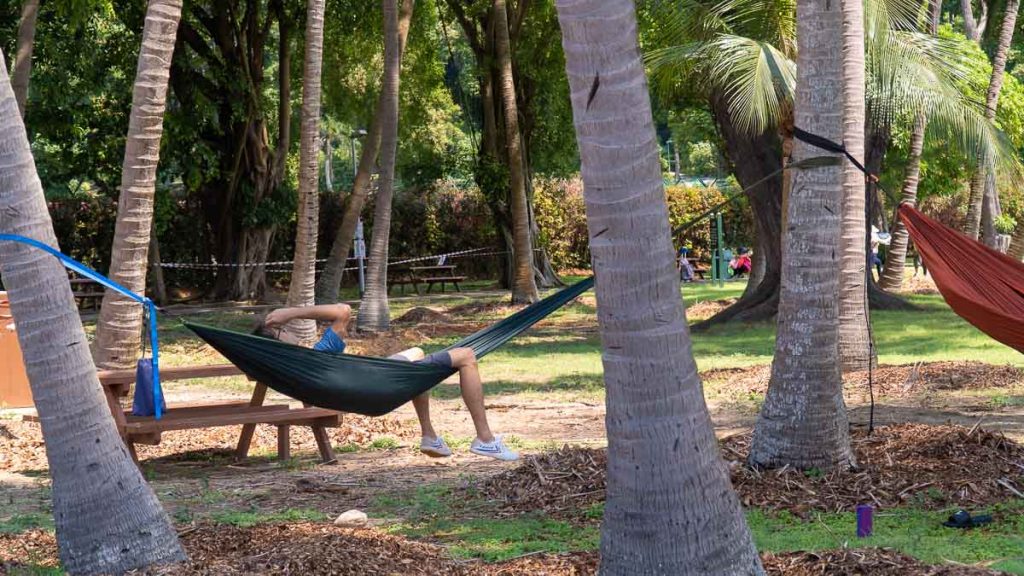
point(934, 16)
point(896, 258)
point(803, 422)
point(330, 279)
point(119, 327)
point(854, 333)
point(374, 314)
point(108, 520)
point(978, 182)
point(303, 282)
point(670, 508)
point(1017, 243)
point(23, 54)
point(524, 286)
point(970, 26)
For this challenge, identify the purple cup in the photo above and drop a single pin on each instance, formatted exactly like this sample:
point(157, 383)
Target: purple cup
point(865, 520)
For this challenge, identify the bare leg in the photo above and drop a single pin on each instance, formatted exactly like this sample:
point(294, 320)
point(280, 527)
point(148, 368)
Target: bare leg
point(422, 405)
point(472, 390)
point(422, 402)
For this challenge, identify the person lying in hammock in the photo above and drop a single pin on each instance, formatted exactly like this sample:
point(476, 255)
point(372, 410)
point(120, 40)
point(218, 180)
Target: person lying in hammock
point(461, 359)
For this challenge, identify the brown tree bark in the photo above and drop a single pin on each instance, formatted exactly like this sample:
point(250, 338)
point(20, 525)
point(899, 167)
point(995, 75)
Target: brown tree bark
point(670, 508)
point(374, 312)
point(524, 288)
point(896, 258)
point(303, 281)
point(23, 53)
point(108, 519)
point(854, 330)
point(119, 329)
point(330, 279)
point(754, 158)
point(803, 422)
point(981, 184)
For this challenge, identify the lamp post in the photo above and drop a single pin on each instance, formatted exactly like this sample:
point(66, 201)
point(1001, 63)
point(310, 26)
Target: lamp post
point(358, 245)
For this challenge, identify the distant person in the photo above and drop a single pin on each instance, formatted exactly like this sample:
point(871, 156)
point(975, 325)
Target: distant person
point(683, 265)
point(337, 316)
point(877, 238)
point(741, 264)
point(919, 265)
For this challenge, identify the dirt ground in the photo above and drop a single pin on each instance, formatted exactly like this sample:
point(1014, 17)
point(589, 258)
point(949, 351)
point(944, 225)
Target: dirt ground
point(197, 477)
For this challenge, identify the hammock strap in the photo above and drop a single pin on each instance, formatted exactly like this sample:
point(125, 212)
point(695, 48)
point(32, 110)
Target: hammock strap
point(82, 270)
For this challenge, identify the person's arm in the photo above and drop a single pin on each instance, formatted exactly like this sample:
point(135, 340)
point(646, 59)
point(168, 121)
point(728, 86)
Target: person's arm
point(337, 314)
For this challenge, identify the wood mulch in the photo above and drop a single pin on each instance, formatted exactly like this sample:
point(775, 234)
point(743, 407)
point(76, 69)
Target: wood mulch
point(930, 466)
point(861, 561)
point(894, 381)
point(422, 315)
point(322, 549)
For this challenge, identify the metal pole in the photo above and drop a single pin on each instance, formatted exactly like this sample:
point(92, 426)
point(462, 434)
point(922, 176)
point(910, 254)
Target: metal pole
point(358, 244)
point(721, 263)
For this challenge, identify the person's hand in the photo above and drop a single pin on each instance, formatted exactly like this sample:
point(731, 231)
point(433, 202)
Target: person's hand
point(276, 318)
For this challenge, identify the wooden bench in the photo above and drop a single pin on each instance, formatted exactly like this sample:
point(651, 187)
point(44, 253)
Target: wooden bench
point(148, 430)
point(88, 294)
point(453, 280)
point(403, 281)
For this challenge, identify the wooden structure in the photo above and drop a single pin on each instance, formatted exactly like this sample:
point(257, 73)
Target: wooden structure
point(88, 294)
point(147, 430)
point(415, 275)
point(14, 388)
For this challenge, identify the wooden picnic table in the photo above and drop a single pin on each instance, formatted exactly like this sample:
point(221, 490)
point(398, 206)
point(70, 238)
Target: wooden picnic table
point(441, 273)
point(87, 293)
point(429, 275)
point(147, 429)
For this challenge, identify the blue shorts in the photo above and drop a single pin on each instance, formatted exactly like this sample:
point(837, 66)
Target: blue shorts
point(330, 342)
point(442, 359)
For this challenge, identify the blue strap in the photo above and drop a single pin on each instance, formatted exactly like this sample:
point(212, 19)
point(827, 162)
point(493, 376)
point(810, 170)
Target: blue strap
point(83, 270)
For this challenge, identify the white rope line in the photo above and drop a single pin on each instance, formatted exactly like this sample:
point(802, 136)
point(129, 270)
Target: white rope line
point(393, 262)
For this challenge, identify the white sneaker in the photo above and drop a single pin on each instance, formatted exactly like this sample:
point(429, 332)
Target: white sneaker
point(495, 449)
point(435, 447)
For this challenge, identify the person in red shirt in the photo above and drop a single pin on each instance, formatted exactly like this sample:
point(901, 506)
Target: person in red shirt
point(741, 264)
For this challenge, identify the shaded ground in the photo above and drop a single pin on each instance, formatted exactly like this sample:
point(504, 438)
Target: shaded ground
point(931, 467)
point(317, 549)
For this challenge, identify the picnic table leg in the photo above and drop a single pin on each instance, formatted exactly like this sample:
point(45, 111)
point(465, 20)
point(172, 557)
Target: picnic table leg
point(323, 442)
point(457, 289)
point(284, 447)
point(259, 393)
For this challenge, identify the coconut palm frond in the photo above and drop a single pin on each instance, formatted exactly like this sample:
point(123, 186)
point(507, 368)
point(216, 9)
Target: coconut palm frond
point(756, 78)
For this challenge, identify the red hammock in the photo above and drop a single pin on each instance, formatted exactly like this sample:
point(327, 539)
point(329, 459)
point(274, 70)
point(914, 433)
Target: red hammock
point(984, 286)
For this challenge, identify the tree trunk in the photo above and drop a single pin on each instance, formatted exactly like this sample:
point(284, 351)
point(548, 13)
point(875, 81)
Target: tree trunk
point(108, 520)
point(524, 287)
point(935, 16)
point(303, 282)
point(670, 508)
point(119, 328)
point(374, 314)
point(757, 268)
point(753, 158)
point(896, 258)
point(1017, 243)
point(159, 286)
point(23, 54)
point(990, 210)
point(978, 182)
point(330, 279)
point(854, 332)
point(803, 422)
point(970, 26)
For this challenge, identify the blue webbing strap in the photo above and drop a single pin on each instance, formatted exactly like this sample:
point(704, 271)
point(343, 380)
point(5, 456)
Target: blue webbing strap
point(83, 270)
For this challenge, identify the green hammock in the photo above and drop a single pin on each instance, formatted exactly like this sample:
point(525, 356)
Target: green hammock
point(363, 384)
